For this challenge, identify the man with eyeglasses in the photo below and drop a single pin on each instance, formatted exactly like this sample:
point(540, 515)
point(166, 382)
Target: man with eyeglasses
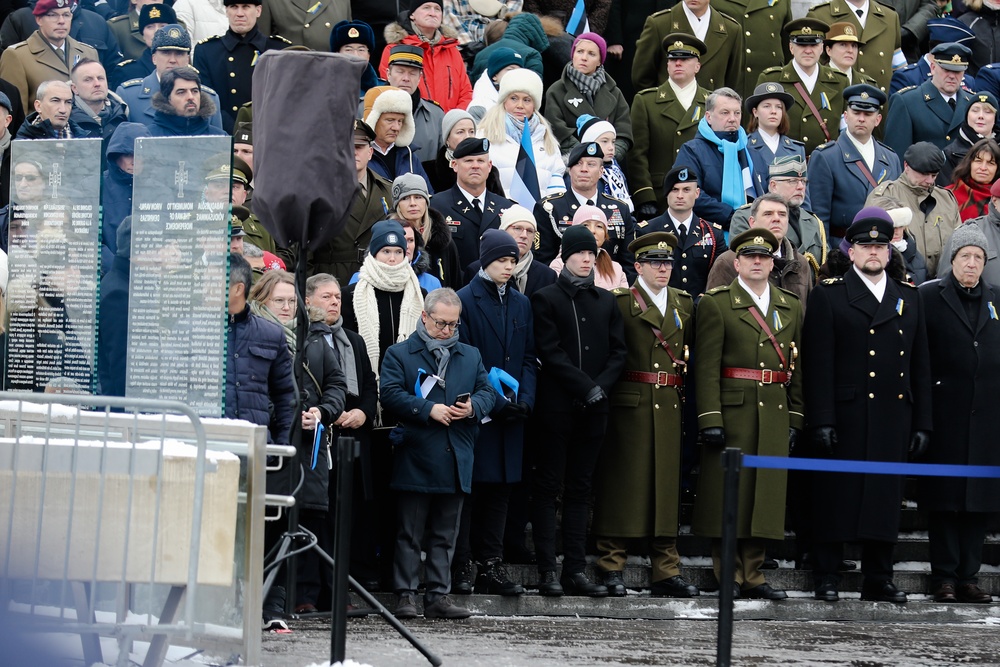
point(437, 388)
point(530, 275)
point(638, 479)
point(787, 177)
point(843, 172)
point(49, 53)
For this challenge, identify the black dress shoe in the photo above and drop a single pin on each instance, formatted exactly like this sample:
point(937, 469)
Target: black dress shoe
point(945, 592)
point(763, 592)
point(827, 592)
point(578, 584)
point(884, 591)
point(847, 566)
point(461, 580)
point(769, 564)
point(674, 587)
point(615, 584)
point(549, 586)
point(972, 593)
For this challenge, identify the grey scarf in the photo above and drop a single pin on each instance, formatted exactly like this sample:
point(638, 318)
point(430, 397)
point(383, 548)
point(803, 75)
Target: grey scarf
point(346, 350)
point(586, 282)
point(441, 349)
point(501, 289)
point(520, 276)
point(588, 84)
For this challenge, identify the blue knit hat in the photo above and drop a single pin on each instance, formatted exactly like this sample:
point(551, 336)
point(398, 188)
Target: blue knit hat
point(502, 57)
point(495, 245)
point(386, 233)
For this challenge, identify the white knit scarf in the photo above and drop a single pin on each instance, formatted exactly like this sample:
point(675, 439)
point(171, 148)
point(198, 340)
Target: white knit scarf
point(399, 278)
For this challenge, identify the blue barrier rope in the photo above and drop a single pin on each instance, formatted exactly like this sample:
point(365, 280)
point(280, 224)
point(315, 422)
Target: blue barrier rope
point(870, 467)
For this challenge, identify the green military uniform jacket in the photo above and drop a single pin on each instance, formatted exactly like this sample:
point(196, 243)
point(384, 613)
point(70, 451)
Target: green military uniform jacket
point(126, 31)
point(660, 126)
point(826, 95)
point(638, 479)
point(29, 63)
point(880, 37)
point(723, 65)
point(304, 22)
point(257, 235)
point(762, 21)
point(755, 416)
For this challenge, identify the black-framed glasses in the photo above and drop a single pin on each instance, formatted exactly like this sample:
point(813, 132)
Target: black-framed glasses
point(442, 324)
point(657, 264)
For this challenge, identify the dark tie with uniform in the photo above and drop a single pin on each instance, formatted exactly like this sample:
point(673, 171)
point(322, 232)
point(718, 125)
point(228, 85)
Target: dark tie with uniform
point(477, 207)
point(951, 103)
point(859, 13)
point(590, 202)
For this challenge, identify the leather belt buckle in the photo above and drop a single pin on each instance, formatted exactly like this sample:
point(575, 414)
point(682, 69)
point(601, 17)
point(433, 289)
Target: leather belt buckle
point(662, 378)
point(767, 376)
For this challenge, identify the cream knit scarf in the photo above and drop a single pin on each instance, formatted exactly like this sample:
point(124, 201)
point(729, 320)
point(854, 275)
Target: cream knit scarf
point(399, 278)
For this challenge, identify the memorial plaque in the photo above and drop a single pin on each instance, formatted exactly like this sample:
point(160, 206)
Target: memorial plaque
point(54, 248)
point(178, 295)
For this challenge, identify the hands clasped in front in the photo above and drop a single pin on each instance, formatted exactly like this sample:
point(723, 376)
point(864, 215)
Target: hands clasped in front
point(446, 414)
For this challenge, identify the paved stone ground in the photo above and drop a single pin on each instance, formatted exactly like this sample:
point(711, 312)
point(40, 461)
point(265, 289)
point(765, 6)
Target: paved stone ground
point(487, 641)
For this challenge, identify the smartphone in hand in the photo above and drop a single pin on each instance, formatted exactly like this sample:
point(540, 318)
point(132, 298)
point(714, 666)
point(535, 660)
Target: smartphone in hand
point(463, 398)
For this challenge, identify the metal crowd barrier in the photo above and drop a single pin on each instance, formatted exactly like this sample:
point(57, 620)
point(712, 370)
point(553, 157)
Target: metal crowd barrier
point(733, 459)
point(139, 526)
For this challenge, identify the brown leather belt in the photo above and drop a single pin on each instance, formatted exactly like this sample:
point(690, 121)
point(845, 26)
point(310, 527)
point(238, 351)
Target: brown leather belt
point(661, 379)
point(763, 376)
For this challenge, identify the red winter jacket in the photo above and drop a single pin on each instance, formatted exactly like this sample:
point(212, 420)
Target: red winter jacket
point(445, 80)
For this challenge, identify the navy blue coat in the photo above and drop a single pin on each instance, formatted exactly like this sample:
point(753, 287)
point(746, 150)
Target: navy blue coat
point(504, 336)
point(705, 160)
point(920, 71)
point(259, 375)
point(921, 114)
point(988, 79)
point(112, 329)
point(539, 276)
point(837, 186)
point(399, 161)
point(762, 157)
point(432, 457)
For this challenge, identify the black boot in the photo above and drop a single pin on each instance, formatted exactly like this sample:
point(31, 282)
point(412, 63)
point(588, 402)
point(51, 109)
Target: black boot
point(493, 579)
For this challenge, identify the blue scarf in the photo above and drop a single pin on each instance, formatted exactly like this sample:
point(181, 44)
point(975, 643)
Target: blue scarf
point(735, 177)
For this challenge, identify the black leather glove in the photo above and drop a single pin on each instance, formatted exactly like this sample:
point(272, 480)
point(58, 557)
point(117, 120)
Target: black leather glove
point(509, 411)
point(793, 439)
point(645, 211)
point(525, 409)
point(713, 436)
point(919, 442)
point(824, 439)
point(594, 396)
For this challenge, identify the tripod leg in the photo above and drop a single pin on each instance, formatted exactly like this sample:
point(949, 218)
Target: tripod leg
point(393, 621)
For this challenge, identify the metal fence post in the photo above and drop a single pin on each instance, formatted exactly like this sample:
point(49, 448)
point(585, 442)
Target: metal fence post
point(731, 457)
point(347, 450)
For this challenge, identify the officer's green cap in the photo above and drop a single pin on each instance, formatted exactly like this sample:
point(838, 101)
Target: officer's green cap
point(655, 245)
point(754, 241)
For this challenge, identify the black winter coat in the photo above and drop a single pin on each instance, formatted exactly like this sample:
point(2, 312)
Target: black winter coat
point(866, 372)
point(324, 387)
point(367, 402)
point(965, 371)
point(580, 341)
point(445, 263)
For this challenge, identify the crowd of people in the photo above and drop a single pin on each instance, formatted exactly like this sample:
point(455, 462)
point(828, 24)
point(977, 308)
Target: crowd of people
point(578, 267)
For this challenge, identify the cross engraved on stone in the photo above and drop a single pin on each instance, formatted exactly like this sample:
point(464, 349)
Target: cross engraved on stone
point(180, 178)
point(55, 178)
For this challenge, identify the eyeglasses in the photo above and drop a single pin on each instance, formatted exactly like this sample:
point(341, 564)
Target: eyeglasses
point(522, 229)
point(31, 178)
point(442, 325)
point(657, 264)
point(794, 181)
point(282, 303)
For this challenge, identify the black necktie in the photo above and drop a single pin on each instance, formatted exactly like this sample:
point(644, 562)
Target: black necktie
point(590, 202)
point(478, 209)
point(951, 103)
point(859, 13)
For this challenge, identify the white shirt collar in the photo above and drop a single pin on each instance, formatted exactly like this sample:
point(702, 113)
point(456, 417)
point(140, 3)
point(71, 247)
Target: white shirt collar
point(763, 301)
point(867, 150)
point(864, 12)
point(659, 300)
point(470, 197)
point(678, 223)
point(770, 140)
point(808, 81)
point(583, 200)
point(699, 26)
point(878, 289)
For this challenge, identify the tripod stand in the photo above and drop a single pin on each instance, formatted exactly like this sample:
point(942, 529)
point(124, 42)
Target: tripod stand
point(347, 451)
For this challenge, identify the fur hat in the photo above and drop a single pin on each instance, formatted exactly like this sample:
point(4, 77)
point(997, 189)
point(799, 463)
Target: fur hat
point(389, 99)
point(521, 81)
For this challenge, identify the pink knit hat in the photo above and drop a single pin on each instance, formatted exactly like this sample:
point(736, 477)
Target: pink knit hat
point(602, 46)
point(585, 213)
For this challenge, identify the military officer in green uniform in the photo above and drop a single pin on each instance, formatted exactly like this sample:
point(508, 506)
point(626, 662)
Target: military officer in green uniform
point(152, 17)
point(840, 51)
point(128, 30)
point(761, 21)
point(748, 397)
point(880, 50)
point(816, 88)
point(724, 60)
point(642, 450)
point(663, 118)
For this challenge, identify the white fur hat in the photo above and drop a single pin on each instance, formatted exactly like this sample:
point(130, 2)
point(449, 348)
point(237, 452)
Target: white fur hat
point(389, 99)
point(521, 81)
point(901, 217)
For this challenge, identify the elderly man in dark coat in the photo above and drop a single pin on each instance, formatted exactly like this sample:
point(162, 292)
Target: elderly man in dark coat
point(437, 388)
point(964, 331)
point(748, 397)
point(868, 398)
point(498, 323)
point(638, 478)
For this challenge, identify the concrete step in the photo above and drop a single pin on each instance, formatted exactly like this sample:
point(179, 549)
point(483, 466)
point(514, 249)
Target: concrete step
point(637, 577)
point(706, 607)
